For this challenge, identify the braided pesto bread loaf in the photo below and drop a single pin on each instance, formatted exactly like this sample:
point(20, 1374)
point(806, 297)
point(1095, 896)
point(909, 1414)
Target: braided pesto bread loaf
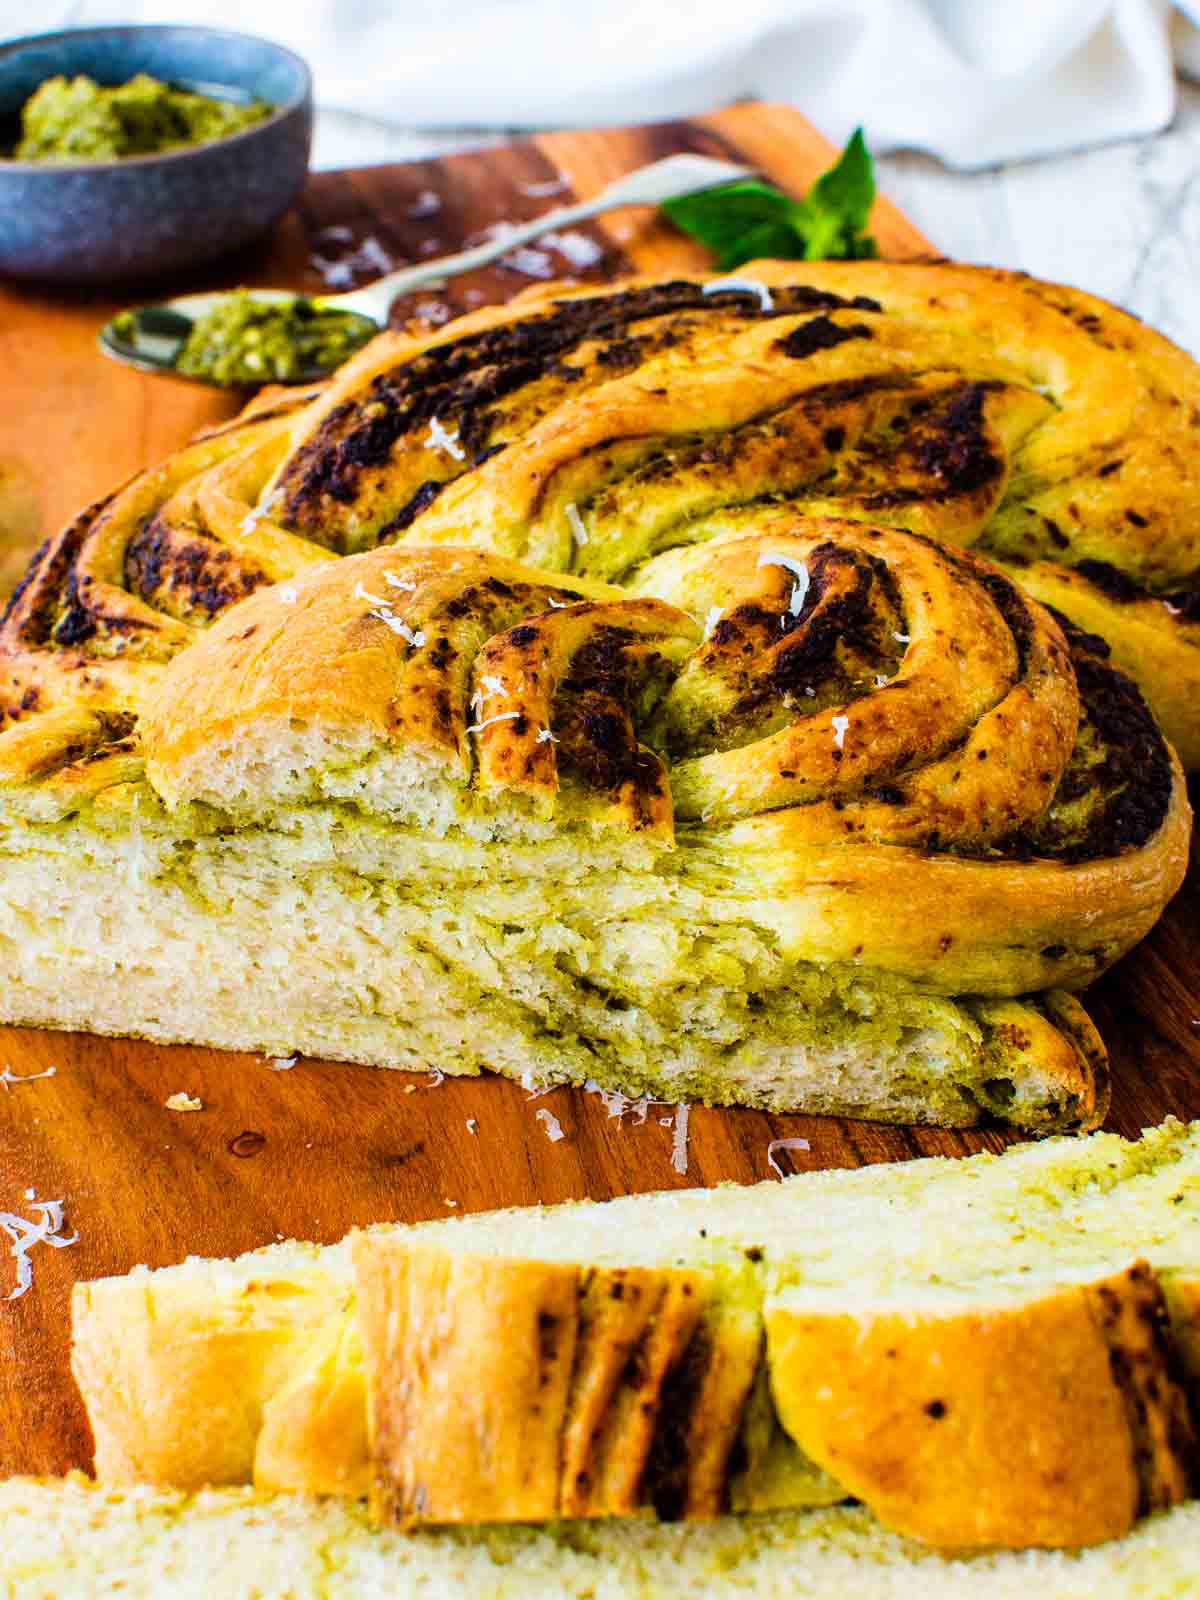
point(990, 1351)
point(672, 738)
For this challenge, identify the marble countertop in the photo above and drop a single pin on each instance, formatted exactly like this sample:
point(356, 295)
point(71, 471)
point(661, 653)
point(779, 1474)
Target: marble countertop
point(1122, 220)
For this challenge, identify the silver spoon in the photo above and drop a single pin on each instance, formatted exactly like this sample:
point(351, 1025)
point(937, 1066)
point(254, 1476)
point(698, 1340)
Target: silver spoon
point(151, 337)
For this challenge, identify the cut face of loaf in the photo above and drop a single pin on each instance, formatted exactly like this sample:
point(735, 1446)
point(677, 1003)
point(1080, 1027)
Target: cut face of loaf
point(1001, 1350)
point(74, 1540)
point(664, 727)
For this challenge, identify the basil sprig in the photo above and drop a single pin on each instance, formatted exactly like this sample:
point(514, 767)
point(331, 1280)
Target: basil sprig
point(748, 219)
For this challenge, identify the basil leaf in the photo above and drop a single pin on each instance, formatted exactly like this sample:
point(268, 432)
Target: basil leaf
point(750, 219)
point(846, 193)
point(726, 218)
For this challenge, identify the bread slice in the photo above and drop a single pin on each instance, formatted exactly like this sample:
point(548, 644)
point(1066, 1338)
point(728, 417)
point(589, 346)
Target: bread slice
point(920, 1403)
point(998, 1350)
point(72, 1540)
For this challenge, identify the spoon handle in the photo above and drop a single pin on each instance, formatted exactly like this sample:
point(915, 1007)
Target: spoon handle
point(662, 180)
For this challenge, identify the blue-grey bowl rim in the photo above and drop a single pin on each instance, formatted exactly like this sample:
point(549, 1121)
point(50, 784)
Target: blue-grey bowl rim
point(303, 93)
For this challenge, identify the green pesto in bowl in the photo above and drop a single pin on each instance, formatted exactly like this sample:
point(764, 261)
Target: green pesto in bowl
point(77, 119)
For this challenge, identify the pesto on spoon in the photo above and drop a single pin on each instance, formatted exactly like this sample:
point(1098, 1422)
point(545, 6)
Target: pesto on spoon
point(245, 339)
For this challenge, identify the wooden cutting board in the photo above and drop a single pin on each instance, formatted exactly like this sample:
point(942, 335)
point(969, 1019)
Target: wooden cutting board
point(310, 1151)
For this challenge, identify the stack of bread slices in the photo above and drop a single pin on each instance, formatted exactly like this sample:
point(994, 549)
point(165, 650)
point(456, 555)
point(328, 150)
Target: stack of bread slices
point(997, 1358)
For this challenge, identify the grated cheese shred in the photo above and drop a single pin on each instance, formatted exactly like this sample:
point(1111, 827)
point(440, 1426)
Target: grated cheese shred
point(25, 1234)
point(552, 1125)
point(679, 1139)
point(784, 1144)
point(413, 636)
point(8, 1077)
point(742, 286)
point(259, 513)
point(440, 438)
point(575, 247)
point(840, 724)
point(617, 1104)
point(540, 191)
point(501, 716)
point(578, 530)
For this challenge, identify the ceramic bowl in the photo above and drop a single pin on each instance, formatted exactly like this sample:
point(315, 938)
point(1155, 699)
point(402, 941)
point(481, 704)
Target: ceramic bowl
point(147, 217)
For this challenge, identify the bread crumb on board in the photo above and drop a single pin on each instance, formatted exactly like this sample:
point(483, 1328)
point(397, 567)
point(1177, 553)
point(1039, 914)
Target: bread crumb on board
point(183, 1102)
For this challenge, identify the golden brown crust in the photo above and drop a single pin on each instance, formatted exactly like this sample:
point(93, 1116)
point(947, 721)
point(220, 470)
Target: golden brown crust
point(468, 1365)
point(1051, 1422)
point(506, 1390)
point(179, 1392)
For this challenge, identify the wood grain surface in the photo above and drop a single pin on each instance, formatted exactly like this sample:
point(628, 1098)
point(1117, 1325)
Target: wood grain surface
point(314, 1149)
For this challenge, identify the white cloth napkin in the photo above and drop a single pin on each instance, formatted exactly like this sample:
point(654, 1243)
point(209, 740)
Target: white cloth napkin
point(973, 81)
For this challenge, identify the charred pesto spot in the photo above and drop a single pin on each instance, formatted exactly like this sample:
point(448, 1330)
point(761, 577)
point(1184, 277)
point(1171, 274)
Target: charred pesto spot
point(622, 353)
point(185, 572)
point(408, 513)
point(548, 1333)
point(819, 333)
point(76, 624)
point(36, 614)
point(1116, 790)
point(1117, 585)
point(1013, 607)
point(666, 1483)
point(1078, 638)
point(958, 452)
